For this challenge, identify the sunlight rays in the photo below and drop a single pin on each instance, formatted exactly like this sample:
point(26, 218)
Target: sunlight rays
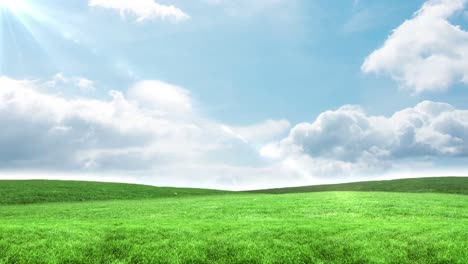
point(12, 4)
point(23, 19)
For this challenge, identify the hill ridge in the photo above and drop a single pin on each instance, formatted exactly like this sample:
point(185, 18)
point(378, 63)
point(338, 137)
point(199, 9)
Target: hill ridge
point(45, 191)
point(450, 185)
point(49, 191)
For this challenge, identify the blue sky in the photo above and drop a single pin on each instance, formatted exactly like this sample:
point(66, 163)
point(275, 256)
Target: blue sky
point(262, 71)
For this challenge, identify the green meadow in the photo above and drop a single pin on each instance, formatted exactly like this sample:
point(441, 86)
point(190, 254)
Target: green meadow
point(402, 221)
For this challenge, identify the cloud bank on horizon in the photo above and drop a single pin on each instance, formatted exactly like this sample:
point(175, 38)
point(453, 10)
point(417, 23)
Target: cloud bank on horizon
point(155, 129)
point(156, 132)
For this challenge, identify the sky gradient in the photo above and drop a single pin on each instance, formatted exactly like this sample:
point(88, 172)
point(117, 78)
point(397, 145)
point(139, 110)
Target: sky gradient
point(233, 94)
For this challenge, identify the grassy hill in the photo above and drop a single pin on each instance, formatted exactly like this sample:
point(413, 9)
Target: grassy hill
point(42, 191)
point(455, 185)
point(202, 226)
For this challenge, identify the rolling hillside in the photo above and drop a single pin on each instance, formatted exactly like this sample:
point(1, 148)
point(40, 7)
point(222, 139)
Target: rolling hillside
point(43, 222)
point(453, 185)
point(43, 191)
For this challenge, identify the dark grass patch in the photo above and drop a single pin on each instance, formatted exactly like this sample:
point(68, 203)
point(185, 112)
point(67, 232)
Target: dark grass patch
point(44, 191)
point(454, 185)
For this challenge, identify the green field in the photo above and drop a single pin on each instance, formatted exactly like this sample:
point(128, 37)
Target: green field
point(413, 221)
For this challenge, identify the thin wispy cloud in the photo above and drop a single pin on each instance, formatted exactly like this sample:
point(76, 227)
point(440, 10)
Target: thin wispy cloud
point(142, 10)
point(59, 80)
point(248, 8)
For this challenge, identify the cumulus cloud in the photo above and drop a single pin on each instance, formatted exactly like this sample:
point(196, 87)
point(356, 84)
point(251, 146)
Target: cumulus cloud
point(89, 133)
point(349, 141)
point(142, 9)
point(153, 129)
point(426, 52)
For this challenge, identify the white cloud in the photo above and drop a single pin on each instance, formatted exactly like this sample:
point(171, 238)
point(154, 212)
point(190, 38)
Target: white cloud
point(155, 134)
point(426, 52)
point(261, 133)
point(348, 141)
point(59, 80)
point(162, 95)
point(84, 84)
point(84, 133)
point(142, 9)
point(153, 130)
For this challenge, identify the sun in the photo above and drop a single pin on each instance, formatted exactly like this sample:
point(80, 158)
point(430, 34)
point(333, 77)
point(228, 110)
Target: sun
point(13, 5)
point(7, 3)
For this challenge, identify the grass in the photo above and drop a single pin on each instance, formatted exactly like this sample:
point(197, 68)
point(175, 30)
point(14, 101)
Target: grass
point(219, 227)
point(41, 191)
point(454, 185)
